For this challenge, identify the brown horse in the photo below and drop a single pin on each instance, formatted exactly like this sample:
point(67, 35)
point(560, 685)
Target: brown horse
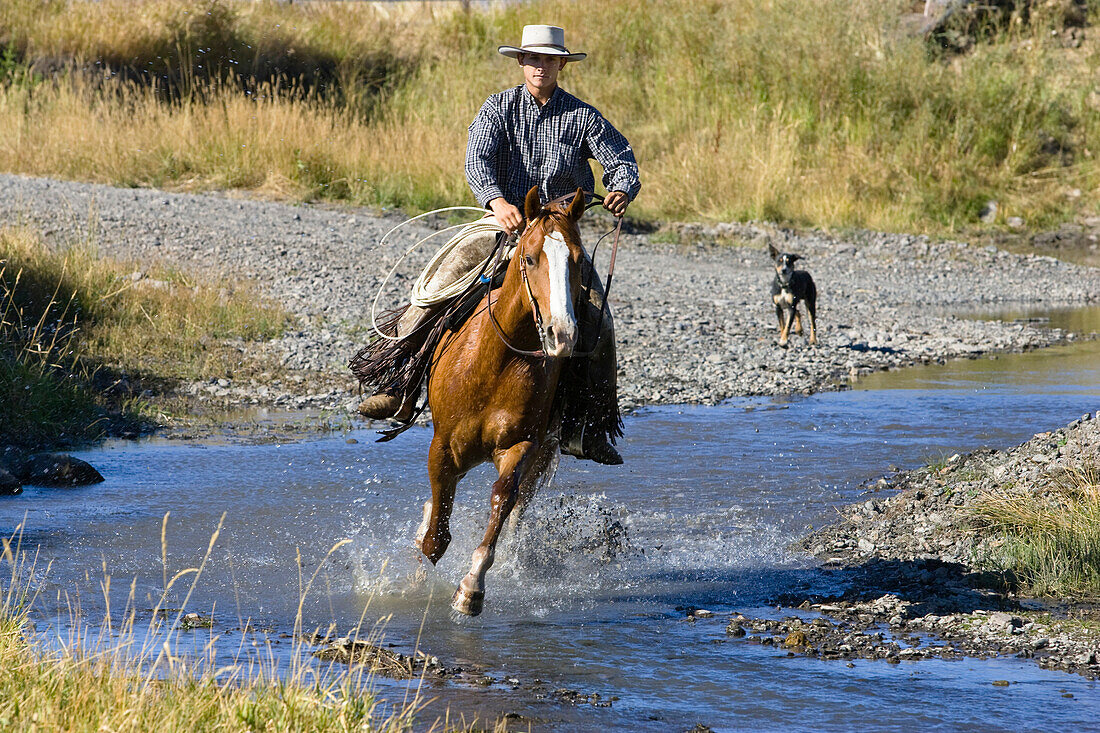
point(492, 385)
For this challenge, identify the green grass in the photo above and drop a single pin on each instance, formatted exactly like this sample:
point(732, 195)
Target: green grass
point(806, 113)
point(82, 337)
point(1049, 543)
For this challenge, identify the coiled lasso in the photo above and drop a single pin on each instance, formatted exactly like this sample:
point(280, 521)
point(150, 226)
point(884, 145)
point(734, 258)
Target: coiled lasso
point(420, 296)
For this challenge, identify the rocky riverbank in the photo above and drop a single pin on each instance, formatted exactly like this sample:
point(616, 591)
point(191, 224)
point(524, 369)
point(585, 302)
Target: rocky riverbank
point(924, 577)
point(693, 315)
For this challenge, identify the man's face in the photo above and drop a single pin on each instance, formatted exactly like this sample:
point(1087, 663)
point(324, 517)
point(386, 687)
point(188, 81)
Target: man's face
point(540, 70)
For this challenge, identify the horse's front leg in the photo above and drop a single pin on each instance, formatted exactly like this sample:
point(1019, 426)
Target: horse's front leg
point(511, 464)
point(434, 534)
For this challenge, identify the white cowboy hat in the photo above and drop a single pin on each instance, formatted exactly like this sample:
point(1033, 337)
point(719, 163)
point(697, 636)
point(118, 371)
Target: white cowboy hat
point(547, 39)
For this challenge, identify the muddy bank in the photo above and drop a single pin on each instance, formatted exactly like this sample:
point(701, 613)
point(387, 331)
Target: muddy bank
point(693, 314)
point(922, 576)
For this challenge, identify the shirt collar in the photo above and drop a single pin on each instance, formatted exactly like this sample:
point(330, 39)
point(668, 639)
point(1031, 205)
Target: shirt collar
point(550, 103)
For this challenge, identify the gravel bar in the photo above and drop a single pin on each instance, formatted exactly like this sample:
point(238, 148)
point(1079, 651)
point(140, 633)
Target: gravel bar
point(694, 319)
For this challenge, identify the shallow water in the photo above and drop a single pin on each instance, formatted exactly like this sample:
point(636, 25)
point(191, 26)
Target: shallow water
point(587, 599)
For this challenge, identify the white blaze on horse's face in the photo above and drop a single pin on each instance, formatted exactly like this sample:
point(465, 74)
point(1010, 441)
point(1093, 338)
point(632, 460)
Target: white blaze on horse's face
point(561, 332)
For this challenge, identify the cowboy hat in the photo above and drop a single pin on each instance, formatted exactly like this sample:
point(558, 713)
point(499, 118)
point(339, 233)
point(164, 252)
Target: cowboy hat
point(545, 39)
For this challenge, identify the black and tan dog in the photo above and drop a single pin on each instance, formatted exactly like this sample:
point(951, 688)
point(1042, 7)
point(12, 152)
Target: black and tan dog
point(789, 288)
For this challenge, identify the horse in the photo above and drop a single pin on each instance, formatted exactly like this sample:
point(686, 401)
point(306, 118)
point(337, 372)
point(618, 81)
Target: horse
point(492, 383)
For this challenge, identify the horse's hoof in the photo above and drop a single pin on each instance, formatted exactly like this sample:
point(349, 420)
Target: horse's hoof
point(468, 602)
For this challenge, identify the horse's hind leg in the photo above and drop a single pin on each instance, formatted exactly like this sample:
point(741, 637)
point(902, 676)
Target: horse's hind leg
point(511, 467)
point(435, 529)
point(529, 485)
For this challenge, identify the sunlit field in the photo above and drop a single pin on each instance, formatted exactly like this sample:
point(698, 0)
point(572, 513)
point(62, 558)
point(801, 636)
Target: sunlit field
point(815, 113)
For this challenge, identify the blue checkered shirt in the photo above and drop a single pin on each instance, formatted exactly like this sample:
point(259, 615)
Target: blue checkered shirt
point(514, 144)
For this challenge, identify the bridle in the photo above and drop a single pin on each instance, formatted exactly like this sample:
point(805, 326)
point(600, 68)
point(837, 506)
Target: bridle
point(536, 312)
point(540, 353)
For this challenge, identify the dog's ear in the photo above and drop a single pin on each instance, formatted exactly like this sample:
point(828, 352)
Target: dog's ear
point(772, 251)
point(532, 207)
point(795, 258)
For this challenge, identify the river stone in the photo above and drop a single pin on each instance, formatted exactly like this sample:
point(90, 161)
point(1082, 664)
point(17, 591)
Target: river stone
point(12, 460)
point(9, 484)
point(58, 469)
point(735, 629)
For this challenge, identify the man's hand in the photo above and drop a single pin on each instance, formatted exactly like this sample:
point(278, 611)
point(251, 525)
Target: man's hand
point(616, 202)
point(508, 216)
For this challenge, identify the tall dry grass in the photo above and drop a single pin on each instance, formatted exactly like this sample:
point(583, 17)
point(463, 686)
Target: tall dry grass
point(122, 675)
point(815, 113)
point(1050, 542)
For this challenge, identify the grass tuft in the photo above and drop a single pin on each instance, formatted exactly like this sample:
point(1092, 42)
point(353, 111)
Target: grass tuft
point(1050, 542)
point(121, 677)
point(80, 334)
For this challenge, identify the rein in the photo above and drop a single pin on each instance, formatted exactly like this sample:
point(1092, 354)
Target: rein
point(541, 353)
point(537, 314)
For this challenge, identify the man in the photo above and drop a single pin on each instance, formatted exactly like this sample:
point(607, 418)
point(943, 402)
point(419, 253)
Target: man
point(536, 134)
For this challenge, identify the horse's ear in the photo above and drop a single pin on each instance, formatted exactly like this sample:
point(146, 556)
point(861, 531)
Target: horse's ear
point(576, 207)
point(532, 207)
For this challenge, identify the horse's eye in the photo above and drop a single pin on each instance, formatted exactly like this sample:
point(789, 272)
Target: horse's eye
point(529, 260)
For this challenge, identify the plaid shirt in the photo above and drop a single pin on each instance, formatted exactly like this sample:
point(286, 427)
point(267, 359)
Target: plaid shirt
point(514, 144)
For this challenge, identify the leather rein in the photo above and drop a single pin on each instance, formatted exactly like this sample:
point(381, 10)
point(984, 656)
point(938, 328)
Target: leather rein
point(536, 312)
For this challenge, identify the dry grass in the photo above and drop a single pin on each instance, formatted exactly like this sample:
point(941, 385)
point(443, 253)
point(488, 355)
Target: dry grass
point(79, 333)
point(121, 677)
point(1051, 542)
point(823, 113)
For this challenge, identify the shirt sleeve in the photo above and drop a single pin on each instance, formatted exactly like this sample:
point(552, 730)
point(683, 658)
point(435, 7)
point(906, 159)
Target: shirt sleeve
point(482, 151)
point(613, 152)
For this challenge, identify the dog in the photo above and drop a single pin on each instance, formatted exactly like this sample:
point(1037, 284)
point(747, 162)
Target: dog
point(789, 288)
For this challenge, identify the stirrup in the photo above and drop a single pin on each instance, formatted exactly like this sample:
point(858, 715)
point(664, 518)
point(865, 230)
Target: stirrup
point(589, 447)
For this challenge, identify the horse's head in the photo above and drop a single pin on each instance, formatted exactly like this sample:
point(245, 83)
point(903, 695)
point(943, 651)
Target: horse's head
point(550, 252)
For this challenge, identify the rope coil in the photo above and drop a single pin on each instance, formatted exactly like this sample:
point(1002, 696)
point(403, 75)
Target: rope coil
point(422, 297)
point(419, 292)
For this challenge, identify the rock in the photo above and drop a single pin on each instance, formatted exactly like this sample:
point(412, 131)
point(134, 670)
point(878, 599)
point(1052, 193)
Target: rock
point(1001, 683)
point(988, 214)
point(12, 460)
point(1015, 222)
point(797, 639)
point(58, 469)
point(735, 629)
point(9, 484)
